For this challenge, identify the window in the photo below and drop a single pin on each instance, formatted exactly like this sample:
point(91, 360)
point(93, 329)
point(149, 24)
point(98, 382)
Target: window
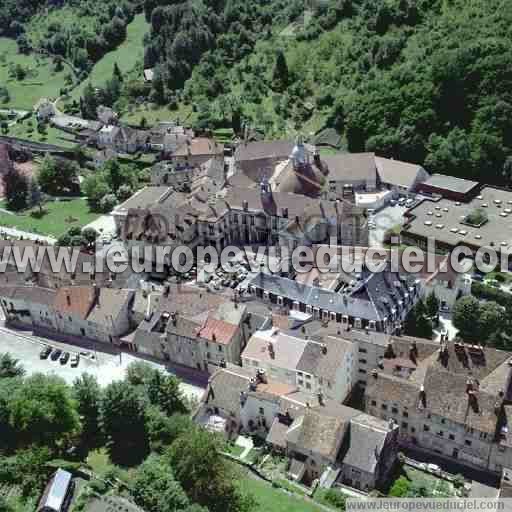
point(413, 430)
point(440, 433)
point(208, 355)
point(362, 351)
point(426, 428)
point(308, 376)
point(467, 442)
point(301, 382)
point(443, 421)
point(308, 385)
point(362, 361)
point(374, 403)
point(404, 425)
point(451, 437)
point(384, 407)
point(394, 410)
point(262, 411)
point(220, 348)
point(362, 371)
point(405, 414)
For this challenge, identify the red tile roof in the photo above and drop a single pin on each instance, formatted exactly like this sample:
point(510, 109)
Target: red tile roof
point(77, 300)
point(217, 331)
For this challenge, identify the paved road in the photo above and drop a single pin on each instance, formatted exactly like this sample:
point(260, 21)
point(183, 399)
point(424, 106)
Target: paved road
point(26, 235)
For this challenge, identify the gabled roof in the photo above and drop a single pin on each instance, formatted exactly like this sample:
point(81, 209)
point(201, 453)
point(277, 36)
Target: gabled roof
point(76, 300)
point(217, 331)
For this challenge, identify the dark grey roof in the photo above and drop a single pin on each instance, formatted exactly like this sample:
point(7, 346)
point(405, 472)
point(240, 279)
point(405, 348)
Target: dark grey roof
point(451, 183)
point(373, 299)
point(364, 442)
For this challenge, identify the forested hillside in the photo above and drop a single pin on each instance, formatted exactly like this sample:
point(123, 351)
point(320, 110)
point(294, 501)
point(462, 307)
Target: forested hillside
point(81, 31)
point(427, 81)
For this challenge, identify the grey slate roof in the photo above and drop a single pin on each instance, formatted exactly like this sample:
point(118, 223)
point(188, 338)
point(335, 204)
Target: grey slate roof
point(451, 183)
point(364, 442)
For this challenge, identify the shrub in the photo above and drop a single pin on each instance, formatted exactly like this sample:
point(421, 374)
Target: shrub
point(335, 498)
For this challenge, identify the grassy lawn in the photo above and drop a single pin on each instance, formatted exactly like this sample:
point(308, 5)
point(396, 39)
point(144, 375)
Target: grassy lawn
point(416, 483)
point(234, 449)
point(154, 114)
point(127, 55)
point(269, 499)
point(59, 217)
point(40, 82)
point(27, 130)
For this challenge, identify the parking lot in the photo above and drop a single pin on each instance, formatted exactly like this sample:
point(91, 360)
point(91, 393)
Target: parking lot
point(105, 367)
point(384, 219)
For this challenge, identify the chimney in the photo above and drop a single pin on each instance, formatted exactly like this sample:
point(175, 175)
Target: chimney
point(214, 337)
point(68, 298)
point(321, 398)
point(245, 205)
point(324, 349)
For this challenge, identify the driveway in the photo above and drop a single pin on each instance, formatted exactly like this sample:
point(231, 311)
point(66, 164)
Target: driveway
point(384, 219)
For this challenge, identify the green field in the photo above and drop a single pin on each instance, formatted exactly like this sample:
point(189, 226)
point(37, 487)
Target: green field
point(40, 82)
point(127, 55)
point(269, 499)
point(27, 129)
point(154, 113)
point(59, 217)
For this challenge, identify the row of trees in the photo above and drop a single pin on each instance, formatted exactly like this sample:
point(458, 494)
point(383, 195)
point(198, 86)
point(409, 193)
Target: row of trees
point(142, 421)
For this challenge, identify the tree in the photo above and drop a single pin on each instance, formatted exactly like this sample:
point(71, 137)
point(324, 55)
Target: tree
point(95, 189)
point(87, 394)
point(15, 189)
point(280, 75)
point(43, 412)
point(89, 236)
point(164, 392)
point(155, 489)
point(123, 423)
point(207, 478)
point(432, 305)
point(10, 366)
point(139, 373)
point(89, 102)
point(491, 319)
point(163, 430)
point(57, 176)
point(417, 323)
point(335, 498)
point(124, 192)
point(35, 195)
point(466, 317)
point(117, 72)
point(108, 203)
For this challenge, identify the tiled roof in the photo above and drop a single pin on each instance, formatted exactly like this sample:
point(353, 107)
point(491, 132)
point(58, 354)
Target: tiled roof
point(217, 331)
point(275, 150)
point(351, 166)
point(76, 300)
point(397, 173)
point(199, 146)
point(109, 305)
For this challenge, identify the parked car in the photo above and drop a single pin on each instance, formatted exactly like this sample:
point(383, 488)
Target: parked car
point(75, 359)
point(56, 354)
point(45, 352)
point(64, 358)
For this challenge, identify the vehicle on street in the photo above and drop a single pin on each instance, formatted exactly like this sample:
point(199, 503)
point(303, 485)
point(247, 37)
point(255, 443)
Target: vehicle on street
point(56, 354)
point(45, 352)
point(75, 360)
point(64, 358)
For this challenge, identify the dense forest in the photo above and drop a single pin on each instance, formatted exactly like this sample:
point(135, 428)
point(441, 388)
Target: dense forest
point(427, 81)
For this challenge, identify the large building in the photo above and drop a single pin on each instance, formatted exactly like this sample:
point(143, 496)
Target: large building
point(322, 365)
point(483, 222)
point(321, 438)
point(453, 401)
